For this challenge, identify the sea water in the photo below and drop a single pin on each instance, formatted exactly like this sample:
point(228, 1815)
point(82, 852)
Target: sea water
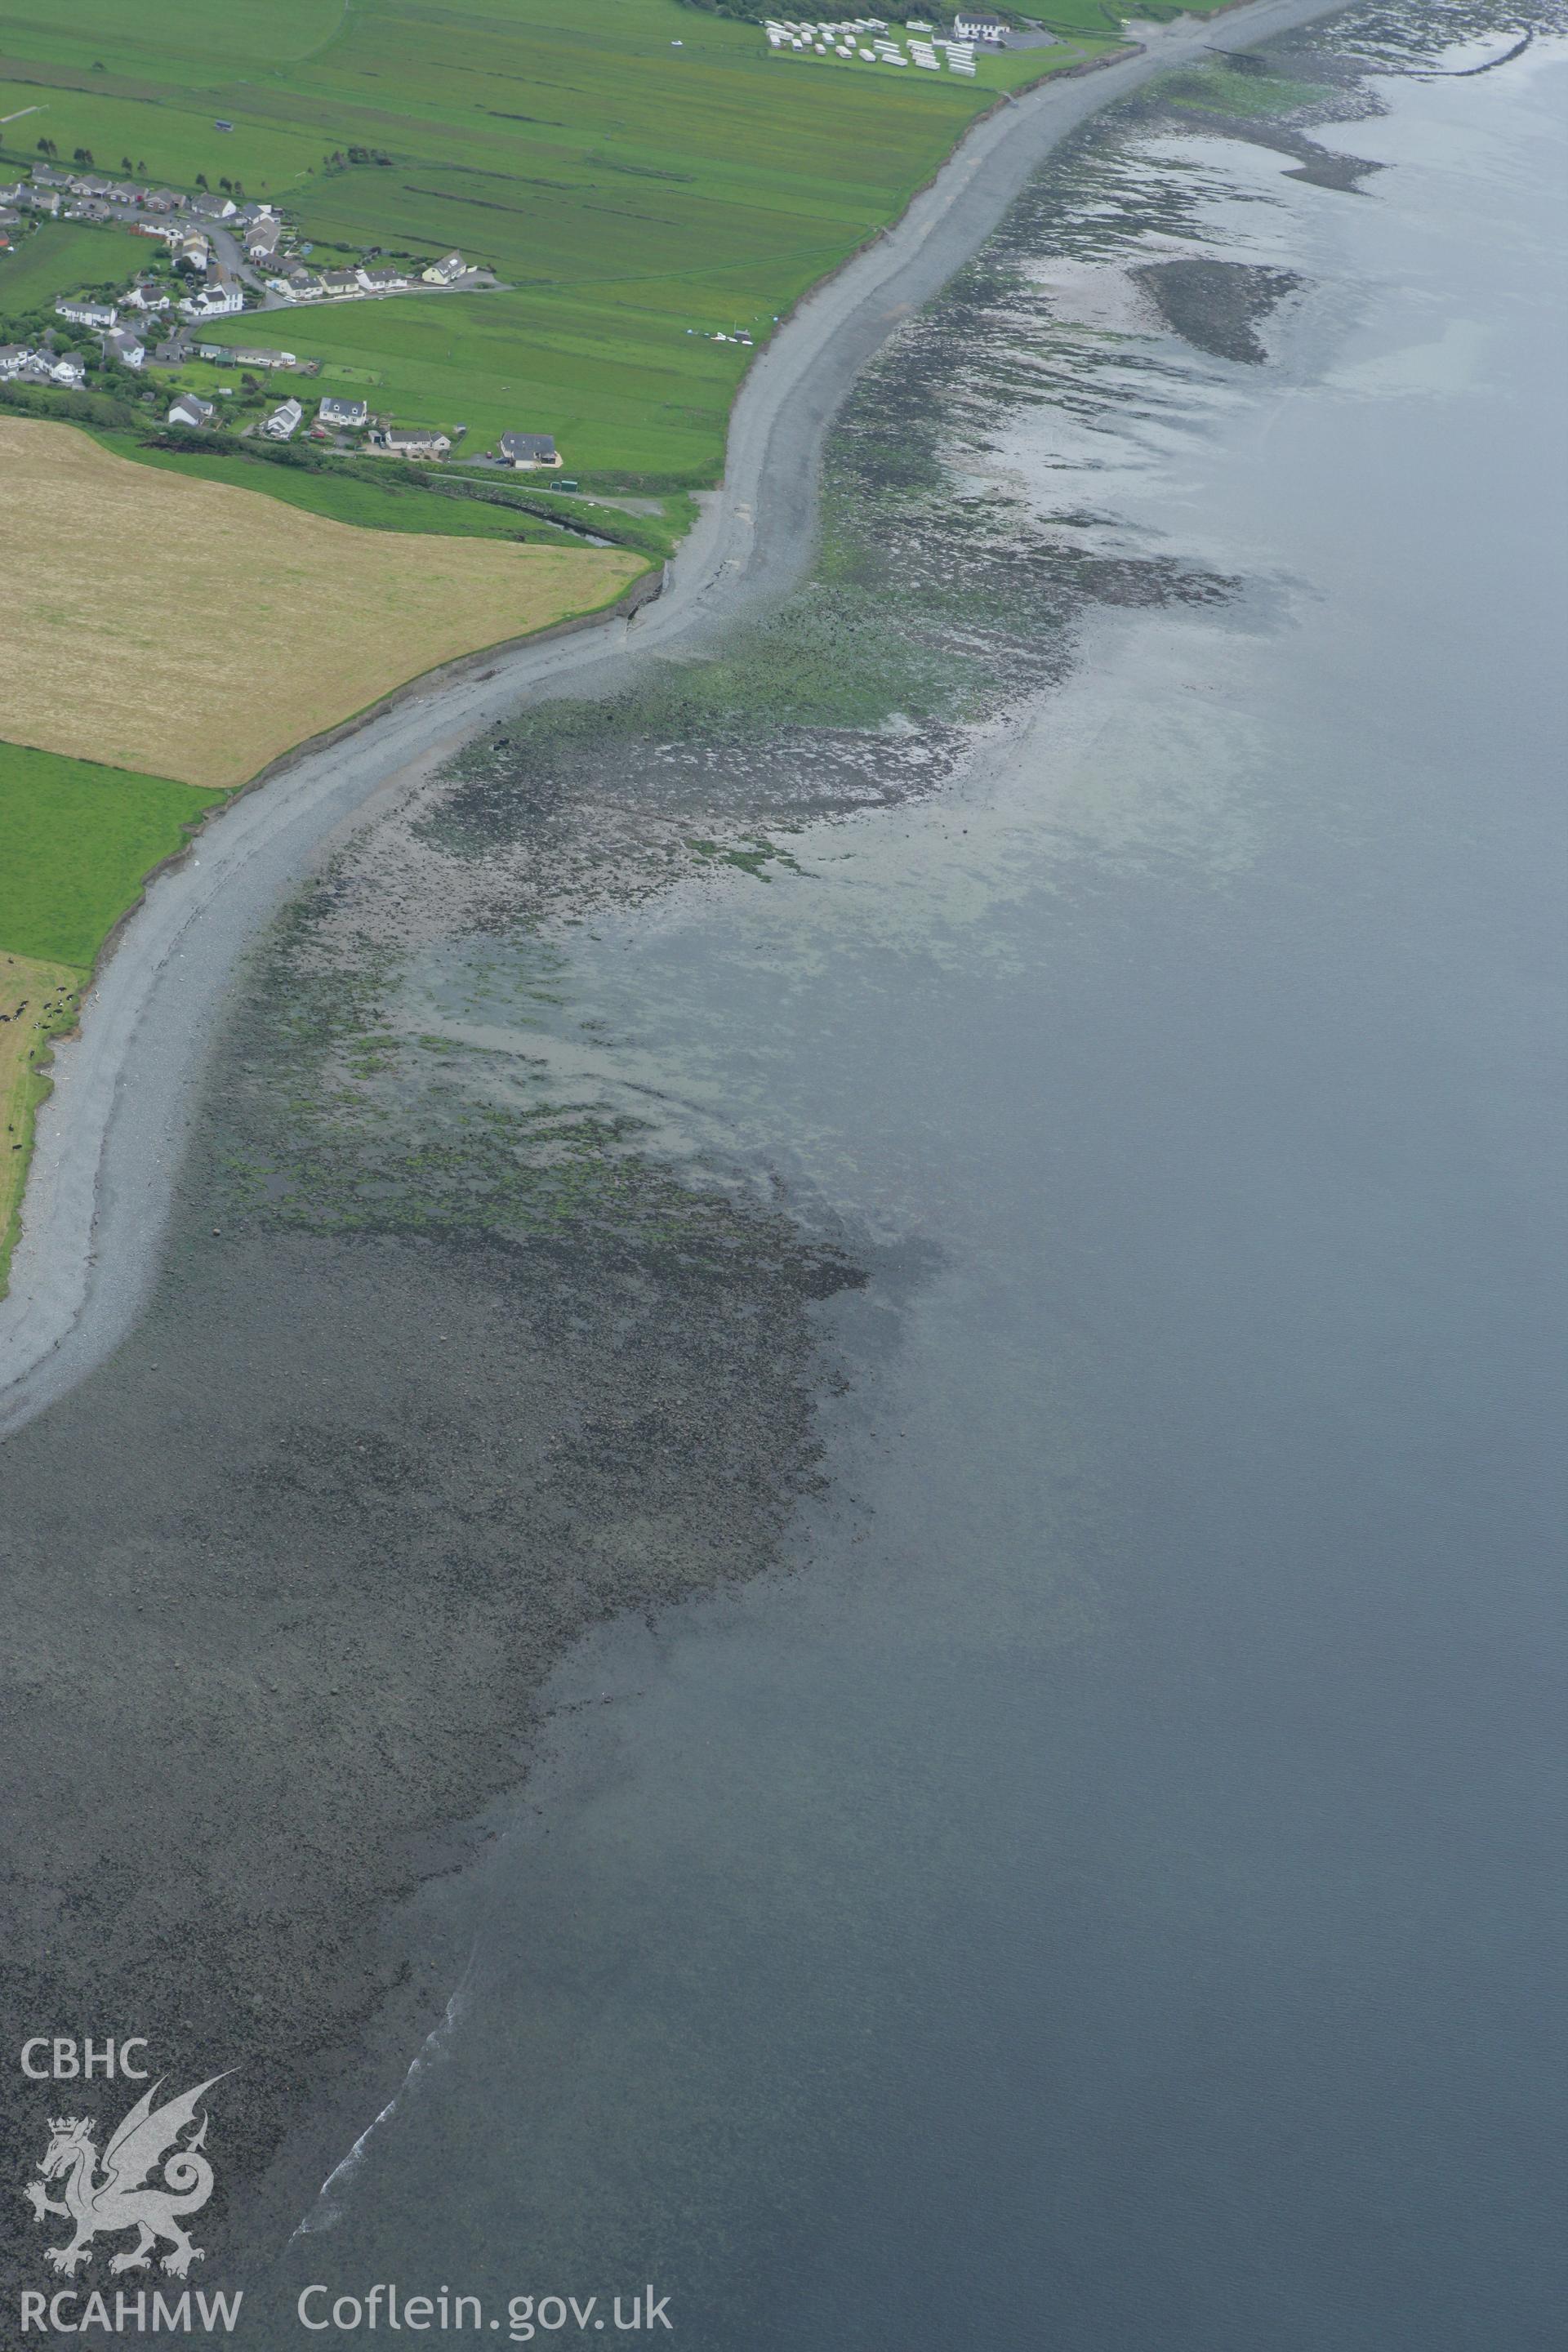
point(1108, 1893)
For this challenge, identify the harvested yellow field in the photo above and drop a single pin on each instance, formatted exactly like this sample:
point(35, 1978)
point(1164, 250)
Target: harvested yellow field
point(33, 998)
point(188, 629)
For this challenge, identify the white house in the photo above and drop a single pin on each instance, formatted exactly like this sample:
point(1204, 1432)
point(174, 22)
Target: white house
point(353, 414)
point(285, 420)
point(86, 314)
point(972, 25)
point(220, 298)
point(447, 271)
point(414, 441)
point(67, 369)
point(120, 344)
point(189, 410)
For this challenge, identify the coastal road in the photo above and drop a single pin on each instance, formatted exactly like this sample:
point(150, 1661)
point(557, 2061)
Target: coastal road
point(111, 1137)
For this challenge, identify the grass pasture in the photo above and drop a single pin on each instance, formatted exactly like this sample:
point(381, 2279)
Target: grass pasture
point(183, 628)
point(65, 258)
point(625, 188)
point(78, 839)
point(75, 841)
point(36, 1001)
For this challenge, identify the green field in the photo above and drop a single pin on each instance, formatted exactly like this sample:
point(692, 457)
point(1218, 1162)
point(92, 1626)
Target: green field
point(625, 189)
point(65, 258)
point(426, 503)
point(75, 841)
point(78, 840)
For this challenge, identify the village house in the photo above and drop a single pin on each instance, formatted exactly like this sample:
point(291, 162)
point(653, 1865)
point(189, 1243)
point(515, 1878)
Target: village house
point(527, 450)
point(8, 219)
point(14, 358)
point(412, 441)
point(191, 247)
point(301, 284)
point(262, 237)
point(89, 185)
point(341, 281)
point(974, 25)
point(285, 420)
point(212, 207)
point(381, 281)
point(123, 346)
point(65, 368)
point(146, 295)
point(252, 355)
point(220, 298)
point(351, 414)
point(162, 200)
point(16, 194)
point(44, 200)
point(86, 314)
point(188, 410)
point(446, 271)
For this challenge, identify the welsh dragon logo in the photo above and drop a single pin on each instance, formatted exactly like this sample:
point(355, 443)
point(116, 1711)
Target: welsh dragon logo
point(101, 2200)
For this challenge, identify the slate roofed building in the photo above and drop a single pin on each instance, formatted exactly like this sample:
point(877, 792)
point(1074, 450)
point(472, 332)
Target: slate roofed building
point(527, 450)
point(446, 271)
point(86, 314)
point(414, 441)
point(285, 420)
point(352, 413)
point(188, 410)
point(122, 345)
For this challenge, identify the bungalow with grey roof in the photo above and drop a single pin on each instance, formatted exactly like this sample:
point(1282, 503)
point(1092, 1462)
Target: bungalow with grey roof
point(83, 313)
point(213, 207)
point(527, 450)
point(381, 281)
point(412, 441)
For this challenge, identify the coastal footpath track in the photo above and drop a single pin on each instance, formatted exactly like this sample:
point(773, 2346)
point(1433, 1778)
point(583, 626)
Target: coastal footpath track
point(110, 1139)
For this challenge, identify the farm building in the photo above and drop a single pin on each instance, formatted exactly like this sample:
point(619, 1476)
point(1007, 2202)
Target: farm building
point(526, 450)
point(352, 413)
